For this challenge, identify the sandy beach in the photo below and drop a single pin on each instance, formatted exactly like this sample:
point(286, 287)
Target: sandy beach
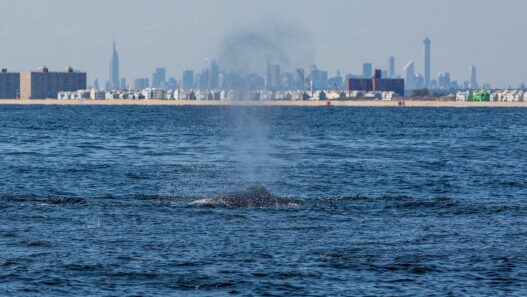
point(360, 103)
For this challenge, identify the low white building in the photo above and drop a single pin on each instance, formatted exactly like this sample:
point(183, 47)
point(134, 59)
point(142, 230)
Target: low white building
point(355, 94)
point(170, 94)
point(388, 96)
point(282, 96)
point(202, 94)
point(299, 95)
point(111, 96)
point(266, 95)
point(97, 94)
point(184, 95)
point(464, 96)
point(509, 96)
point(82, 95)
point(64, 96)
point(335, 95)
point(317, 96)
point(124, 95)
point(374, 95)
point(229, 95)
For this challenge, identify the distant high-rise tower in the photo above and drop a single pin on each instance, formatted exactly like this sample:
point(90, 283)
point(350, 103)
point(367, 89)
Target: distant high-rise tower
point(159, 78)
point(473, 78)
point(202, 80)
point(444, 81)
point(115, 80)
point(409, 72)
point(367, 70)
point(141, 83)
point(124, 85)
point(428, 62)
point(273, 77)
point(315, 81)
point(391, 67)
point(188, 79)
point(214, 76)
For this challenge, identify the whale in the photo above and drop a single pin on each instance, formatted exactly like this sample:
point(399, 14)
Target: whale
point(254, 197)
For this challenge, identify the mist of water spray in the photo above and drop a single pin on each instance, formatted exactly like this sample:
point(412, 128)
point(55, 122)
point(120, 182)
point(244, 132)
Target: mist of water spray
point(271, 41)
point(247, 51)
point(252, 147)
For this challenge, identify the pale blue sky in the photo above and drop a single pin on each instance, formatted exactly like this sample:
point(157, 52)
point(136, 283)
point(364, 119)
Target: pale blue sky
point(179, 34)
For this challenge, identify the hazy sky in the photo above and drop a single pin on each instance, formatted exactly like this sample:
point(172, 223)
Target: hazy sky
point(342, 34)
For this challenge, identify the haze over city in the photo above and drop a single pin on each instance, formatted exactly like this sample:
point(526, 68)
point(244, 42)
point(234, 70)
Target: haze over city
point(338, 35)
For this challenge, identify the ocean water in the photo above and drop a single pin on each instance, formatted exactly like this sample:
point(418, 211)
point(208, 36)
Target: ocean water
point(94, 201)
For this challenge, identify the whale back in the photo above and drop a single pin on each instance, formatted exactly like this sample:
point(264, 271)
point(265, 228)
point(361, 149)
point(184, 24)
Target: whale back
point(254, 197)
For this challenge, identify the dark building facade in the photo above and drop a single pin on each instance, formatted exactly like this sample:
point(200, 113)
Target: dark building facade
point(376, 83)
point(43, 84)
point(9, 84)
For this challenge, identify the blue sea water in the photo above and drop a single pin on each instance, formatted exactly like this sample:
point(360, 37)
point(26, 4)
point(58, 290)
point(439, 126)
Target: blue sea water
point(94, 201)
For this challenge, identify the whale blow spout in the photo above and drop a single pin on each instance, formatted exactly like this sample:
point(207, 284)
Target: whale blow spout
point(254, 197)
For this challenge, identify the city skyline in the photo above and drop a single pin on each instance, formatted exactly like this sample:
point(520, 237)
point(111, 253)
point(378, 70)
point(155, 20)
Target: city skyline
point(345, 44)
point(274, 78)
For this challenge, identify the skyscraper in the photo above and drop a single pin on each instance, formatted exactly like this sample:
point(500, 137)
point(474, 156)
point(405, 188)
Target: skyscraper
point(141, 83)
point(115, 80)
point(444, 81)
point(428, 62)
point(367, 70)
point(409, 75)
point(214, 76)
point(188, 79)
point(273, 77)
point(473, 78)
point(124, 85)
point(300, 79)
point(159, 78)
point(314, 78)
point(391, 67)
point(202, 79)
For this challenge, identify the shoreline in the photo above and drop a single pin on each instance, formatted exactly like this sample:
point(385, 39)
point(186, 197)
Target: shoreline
point(348, 103)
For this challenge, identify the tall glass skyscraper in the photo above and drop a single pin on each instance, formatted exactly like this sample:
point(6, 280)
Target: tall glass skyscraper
point(214, 76)
point(409, 75)
point(428, 45)
point(473, 78)
point(159, 78)
point(391, 67)
point(115, 81)
point(367, 70)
